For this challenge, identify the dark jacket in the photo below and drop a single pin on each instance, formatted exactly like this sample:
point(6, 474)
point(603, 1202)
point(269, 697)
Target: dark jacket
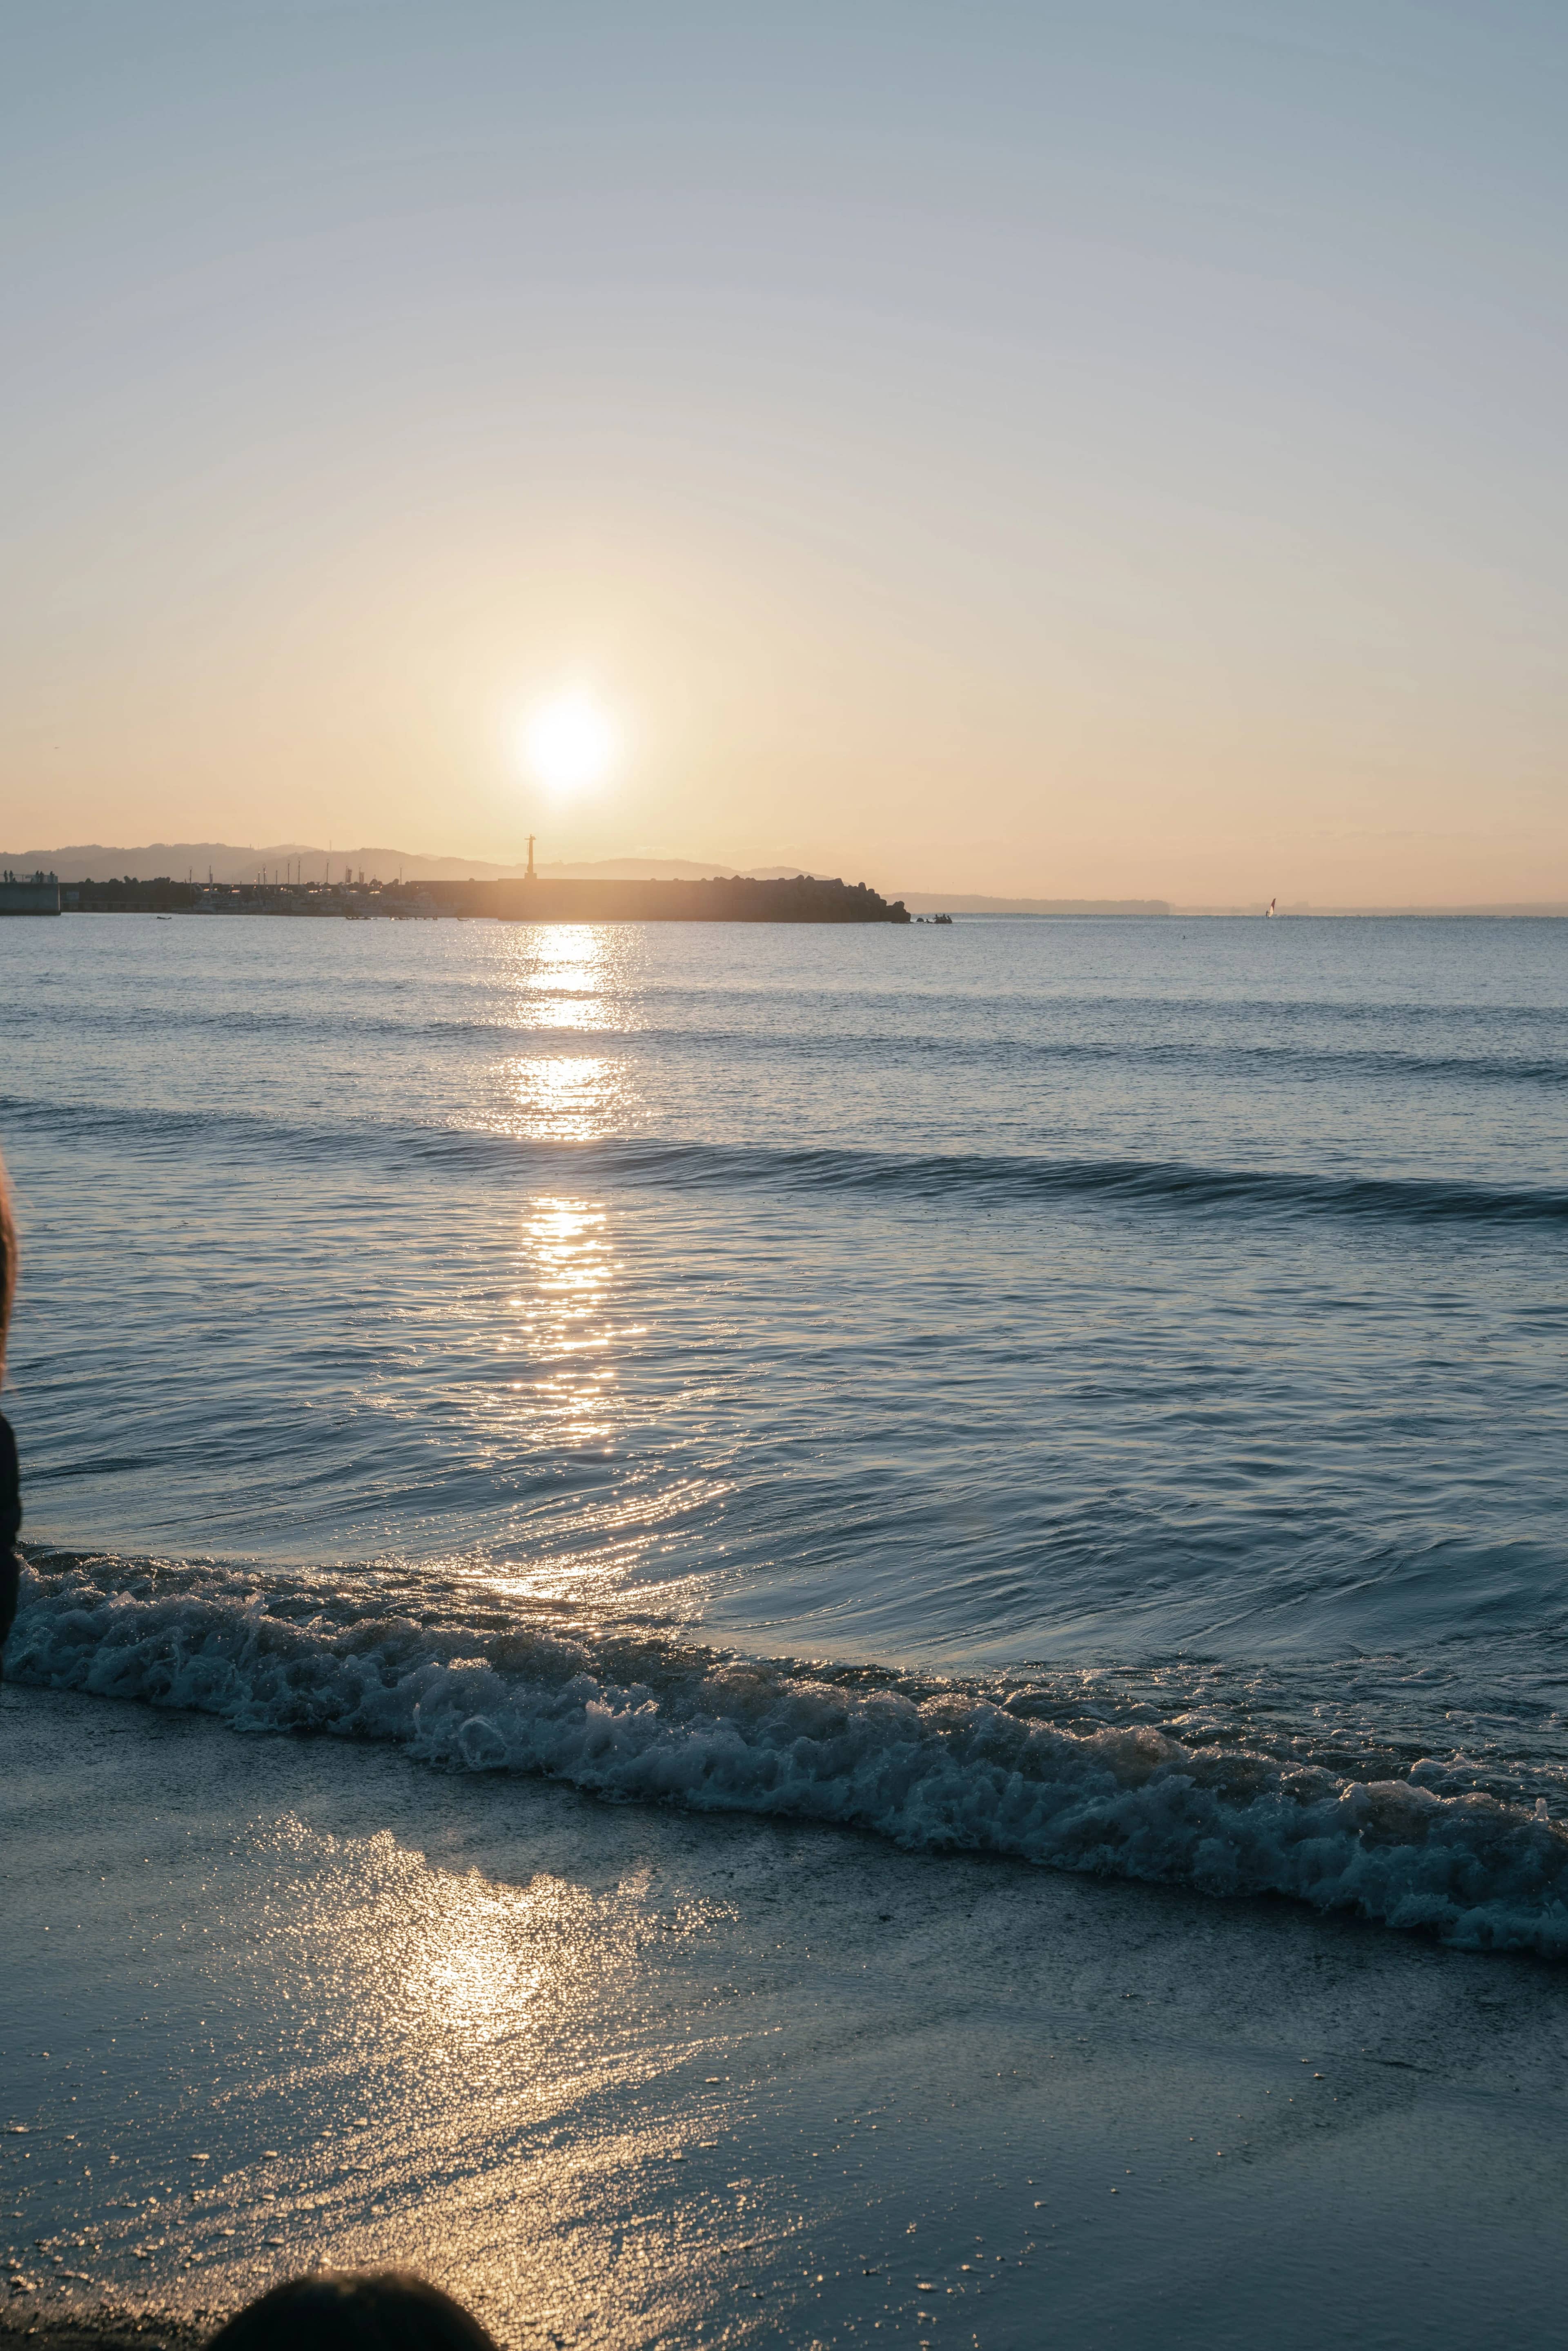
point(10, 1526)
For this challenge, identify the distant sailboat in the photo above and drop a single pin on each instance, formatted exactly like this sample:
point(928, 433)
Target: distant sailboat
point(1270, 907)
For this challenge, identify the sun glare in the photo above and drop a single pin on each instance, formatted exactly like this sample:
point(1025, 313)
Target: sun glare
point(570, 742)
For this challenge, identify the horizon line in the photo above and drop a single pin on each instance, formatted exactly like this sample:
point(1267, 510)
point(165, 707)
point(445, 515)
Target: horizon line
point(422, 865)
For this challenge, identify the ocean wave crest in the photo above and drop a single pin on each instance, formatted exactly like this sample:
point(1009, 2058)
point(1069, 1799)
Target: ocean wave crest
point(648, 1160)
point(934, 1766)
point(759, 1035)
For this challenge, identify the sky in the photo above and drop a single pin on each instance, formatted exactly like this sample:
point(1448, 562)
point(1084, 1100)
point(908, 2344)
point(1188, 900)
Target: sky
point(1109, 449)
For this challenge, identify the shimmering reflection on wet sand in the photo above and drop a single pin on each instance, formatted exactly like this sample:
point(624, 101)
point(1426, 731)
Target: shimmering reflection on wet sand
point(402, 2058)
point(629, 2078)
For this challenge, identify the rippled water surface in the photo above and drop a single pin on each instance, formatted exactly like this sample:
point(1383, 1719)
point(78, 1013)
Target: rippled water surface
point(1112, 1329)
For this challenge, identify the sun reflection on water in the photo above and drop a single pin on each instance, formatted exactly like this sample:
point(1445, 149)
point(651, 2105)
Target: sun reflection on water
point(562, 1324)
point(562, 978)
point(574, 966)
point(560, 1098)
point(577, 1535)
point(590, 1540)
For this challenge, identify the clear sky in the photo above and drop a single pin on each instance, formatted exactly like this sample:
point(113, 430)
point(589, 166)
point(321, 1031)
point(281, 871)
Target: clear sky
point(1106, 448)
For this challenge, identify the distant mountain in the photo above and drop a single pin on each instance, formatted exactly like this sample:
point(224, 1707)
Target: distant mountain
point(180, 860)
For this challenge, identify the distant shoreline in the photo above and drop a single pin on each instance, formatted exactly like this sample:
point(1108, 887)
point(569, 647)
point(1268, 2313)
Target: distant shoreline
point(803, 899)
point(194, 863)
point(922, 902)
point(1245, 913)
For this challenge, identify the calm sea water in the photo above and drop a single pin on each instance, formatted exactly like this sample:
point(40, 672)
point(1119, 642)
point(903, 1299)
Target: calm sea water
point(1091, 1390)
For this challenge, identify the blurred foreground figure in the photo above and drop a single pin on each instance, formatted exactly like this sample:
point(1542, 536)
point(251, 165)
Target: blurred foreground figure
point(354, 2309)
point(10, 1481)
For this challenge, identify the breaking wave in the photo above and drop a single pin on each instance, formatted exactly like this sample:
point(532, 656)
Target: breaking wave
point(934, 1766)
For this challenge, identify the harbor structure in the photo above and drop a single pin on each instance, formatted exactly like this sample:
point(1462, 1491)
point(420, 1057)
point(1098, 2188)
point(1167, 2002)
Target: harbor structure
point(806, 898)
point(34, 893)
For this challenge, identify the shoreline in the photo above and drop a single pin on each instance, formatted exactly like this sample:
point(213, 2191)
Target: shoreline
point(108, 2328)
point(620, 2074)
point(935, 1766)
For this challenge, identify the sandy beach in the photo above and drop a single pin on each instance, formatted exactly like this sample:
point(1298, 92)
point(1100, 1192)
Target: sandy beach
point(620, 2076)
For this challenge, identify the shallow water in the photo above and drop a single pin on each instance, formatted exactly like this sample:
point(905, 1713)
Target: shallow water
point(1140, 1342)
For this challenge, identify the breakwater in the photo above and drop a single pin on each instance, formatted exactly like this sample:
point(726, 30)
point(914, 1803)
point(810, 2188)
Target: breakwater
point(805, 898)
point(30, 894)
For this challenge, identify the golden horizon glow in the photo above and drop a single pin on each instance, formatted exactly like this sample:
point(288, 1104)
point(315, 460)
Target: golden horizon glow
point(477, 458)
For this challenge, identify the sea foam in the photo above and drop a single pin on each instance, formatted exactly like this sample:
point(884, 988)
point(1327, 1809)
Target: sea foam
point(938, 1767)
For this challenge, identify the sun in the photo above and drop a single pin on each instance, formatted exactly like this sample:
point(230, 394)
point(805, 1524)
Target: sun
point(570, 742)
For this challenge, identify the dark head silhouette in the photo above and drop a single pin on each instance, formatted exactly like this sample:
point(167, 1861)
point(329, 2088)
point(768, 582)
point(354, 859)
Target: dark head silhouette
point(354, 2309)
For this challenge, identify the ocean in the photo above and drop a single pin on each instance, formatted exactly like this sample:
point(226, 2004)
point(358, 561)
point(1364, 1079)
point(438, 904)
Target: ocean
point(1089, 1392)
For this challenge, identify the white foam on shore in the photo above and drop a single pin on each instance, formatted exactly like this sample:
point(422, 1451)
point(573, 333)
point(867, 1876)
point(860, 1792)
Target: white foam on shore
point(932, 1767)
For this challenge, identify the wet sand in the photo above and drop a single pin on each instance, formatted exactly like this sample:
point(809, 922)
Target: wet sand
point(618, 2075)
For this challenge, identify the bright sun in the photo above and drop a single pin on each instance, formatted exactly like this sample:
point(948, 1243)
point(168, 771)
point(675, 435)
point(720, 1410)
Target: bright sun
point(569, 742)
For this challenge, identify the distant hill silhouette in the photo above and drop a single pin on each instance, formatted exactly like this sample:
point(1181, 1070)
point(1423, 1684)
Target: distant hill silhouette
point(180, 859)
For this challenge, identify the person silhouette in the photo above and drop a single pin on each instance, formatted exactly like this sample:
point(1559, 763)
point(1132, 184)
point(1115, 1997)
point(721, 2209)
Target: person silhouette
point(10, 1476)
point(354, 2309)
